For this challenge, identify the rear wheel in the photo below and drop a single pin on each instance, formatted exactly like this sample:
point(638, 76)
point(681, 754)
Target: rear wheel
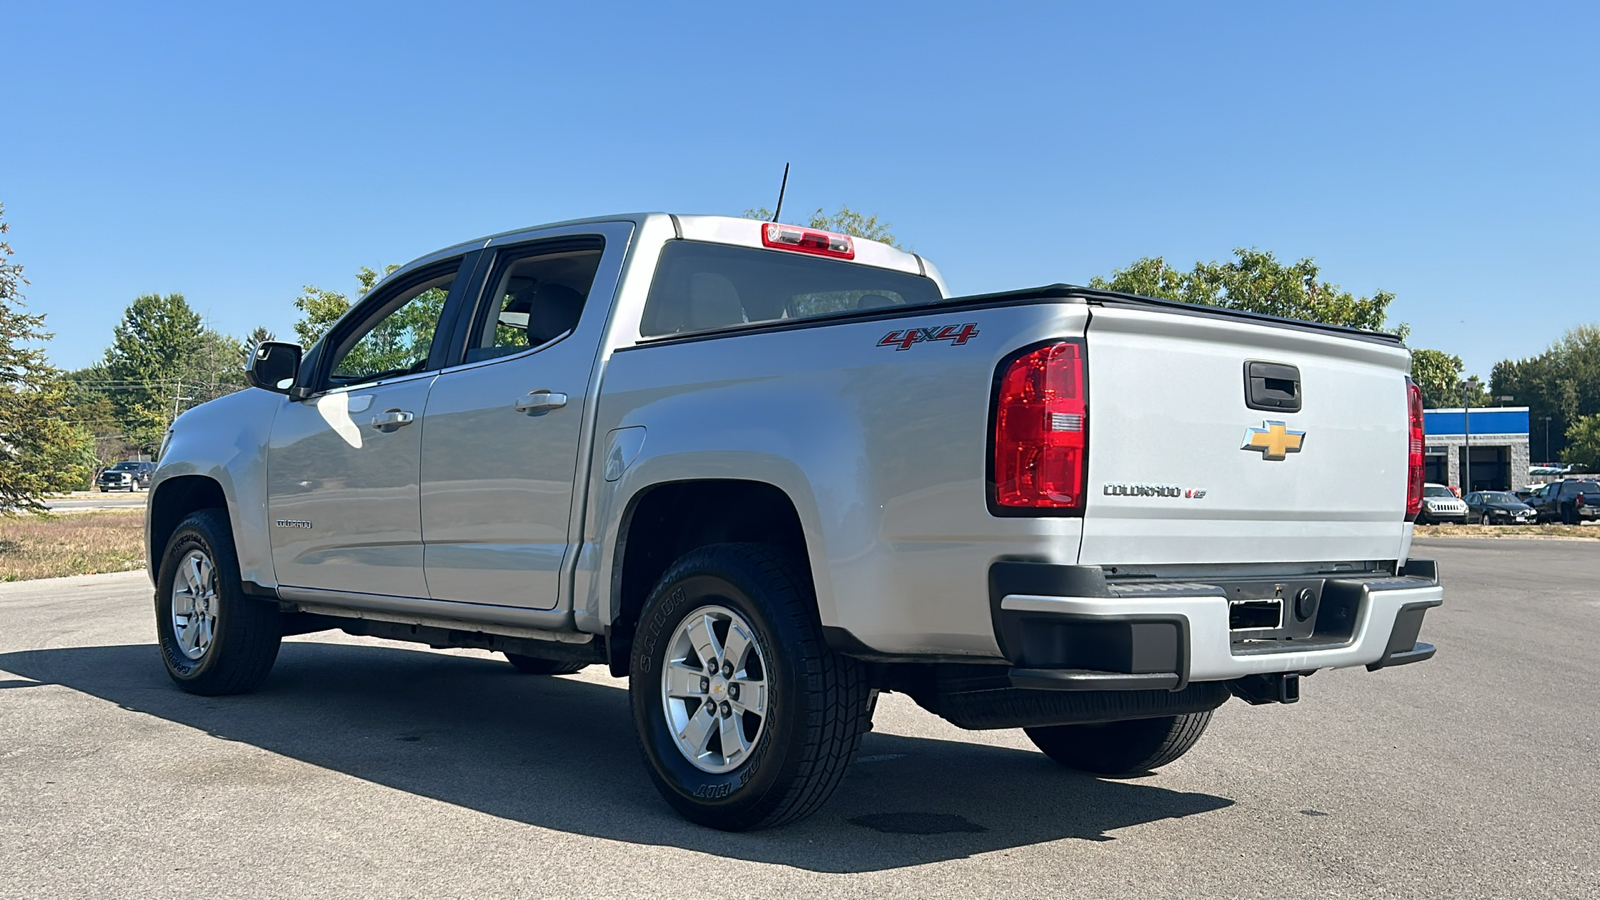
point(1569, 515)
point(1121, 748)
point(214, 638)
point(745, 717)
point(533, 665)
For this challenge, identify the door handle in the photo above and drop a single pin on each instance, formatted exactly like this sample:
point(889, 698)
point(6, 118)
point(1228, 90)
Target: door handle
point(391, 419)
point(541, 401)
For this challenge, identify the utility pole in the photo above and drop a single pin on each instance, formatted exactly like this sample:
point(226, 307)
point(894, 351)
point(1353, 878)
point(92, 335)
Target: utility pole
point(1547, 440)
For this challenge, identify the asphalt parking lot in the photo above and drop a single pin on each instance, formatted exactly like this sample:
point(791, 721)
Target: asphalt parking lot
point(365, 769)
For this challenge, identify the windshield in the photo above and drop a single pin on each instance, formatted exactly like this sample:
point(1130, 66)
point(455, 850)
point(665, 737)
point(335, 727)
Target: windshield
point(1437, 491)
point(126, 467)
point(1497, 497)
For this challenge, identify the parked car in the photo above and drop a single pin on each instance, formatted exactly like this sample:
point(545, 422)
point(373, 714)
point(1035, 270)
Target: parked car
point(766, 472)
point(1568, 502)
point(131, 475)
point(1440, 504)
point(1498, 508)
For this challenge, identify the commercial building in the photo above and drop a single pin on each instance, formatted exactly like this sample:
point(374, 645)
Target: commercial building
point(1499, 447)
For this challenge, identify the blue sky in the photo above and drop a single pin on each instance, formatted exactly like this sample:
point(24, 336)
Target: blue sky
point(1446, 152)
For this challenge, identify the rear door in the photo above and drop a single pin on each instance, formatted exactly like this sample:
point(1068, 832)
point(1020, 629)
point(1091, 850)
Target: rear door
point(1221, 440)
point(500, 453)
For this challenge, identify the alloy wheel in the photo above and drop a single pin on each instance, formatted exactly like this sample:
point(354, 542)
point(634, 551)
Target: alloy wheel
point(714, 689)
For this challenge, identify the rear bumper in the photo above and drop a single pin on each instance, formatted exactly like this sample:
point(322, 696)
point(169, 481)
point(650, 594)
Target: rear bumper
point(1066, 628)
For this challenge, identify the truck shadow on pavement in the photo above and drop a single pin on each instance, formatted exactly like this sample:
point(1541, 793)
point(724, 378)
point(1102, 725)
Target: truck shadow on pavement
point(560, 753)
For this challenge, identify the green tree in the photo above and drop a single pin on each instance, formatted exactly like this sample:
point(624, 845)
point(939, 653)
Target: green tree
point(89, 408)
point(150, 364)
point(41, 450)
point(1583, 443)
point(1562, 383)
point(214, 369)
point(844, 221)
point(247, 348)
point(1439, 375)
point(1255, 281)
point(320, 308)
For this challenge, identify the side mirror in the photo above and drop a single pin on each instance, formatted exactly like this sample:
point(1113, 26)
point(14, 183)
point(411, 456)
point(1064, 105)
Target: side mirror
point(273, 366)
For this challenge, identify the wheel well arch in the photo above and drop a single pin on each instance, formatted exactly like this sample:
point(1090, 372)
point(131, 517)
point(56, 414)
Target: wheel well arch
point(172, 502)
point(667, 520)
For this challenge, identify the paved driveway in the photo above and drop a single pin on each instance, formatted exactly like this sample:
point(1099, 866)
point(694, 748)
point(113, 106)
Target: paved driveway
point(365, 769)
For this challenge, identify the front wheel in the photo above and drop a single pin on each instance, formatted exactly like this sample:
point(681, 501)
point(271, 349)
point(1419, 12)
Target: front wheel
point(745, 717)
point(1121, 748)
point(214, 638)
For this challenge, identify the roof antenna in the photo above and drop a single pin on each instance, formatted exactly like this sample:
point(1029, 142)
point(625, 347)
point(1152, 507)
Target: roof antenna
point(781, 189)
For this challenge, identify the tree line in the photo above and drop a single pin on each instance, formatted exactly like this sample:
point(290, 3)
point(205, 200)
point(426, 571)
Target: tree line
point(57, 428)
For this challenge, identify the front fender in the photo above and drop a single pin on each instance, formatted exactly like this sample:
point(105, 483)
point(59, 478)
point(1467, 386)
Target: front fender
point(224, 441)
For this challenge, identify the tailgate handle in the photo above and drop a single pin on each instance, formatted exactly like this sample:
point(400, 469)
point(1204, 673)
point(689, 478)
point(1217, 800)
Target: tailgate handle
point(1274, 387)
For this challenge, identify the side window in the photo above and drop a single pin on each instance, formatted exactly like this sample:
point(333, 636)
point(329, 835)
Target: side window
point(396, 338)
point(532, 299)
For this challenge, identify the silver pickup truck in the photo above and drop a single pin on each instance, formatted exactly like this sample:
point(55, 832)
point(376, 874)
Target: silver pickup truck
point(768, 472)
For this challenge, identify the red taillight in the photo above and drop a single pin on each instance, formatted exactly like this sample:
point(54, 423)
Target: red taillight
point(1579, 504)
point(807, 240)
point(1414, 471)
point(1041, 428)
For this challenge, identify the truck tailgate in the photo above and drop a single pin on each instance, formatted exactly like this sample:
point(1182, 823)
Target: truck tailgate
point(1172, 479)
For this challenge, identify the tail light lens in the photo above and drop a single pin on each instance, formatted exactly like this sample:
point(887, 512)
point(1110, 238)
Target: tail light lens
point(1414, 471)
point(1041, 429)
point(1580, 500)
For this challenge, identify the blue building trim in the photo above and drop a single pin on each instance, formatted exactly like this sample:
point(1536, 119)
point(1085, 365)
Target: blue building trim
point(1498, 420)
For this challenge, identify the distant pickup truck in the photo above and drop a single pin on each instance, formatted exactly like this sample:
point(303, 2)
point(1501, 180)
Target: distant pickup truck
point(768, 472)
point(1569, 502)
point(131, 475)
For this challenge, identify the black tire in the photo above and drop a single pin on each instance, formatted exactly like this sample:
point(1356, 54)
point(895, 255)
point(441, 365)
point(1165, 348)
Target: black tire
point(103, 490)
point(817, 702)
point(1569, 515)
point(1121, 748)
point(533, 665)
point(248, 630)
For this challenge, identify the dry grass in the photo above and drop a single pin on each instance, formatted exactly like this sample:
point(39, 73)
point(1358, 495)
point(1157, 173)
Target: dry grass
point(76, 544)
point(1505, 531)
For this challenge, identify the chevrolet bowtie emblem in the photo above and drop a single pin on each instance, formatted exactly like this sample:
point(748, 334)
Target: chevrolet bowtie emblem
point(1275, 441)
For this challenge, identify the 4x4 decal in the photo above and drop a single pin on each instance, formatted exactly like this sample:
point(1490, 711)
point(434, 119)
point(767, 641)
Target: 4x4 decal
point(955, 334)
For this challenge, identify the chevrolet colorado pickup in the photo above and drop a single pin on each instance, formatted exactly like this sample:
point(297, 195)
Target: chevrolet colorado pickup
point(768, 472)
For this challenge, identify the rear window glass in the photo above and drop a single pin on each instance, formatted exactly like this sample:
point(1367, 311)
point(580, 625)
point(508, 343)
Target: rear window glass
point(700, 286)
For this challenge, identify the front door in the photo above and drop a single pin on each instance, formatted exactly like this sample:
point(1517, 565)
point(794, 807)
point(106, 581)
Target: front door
point(342, 465)
point(500, 453)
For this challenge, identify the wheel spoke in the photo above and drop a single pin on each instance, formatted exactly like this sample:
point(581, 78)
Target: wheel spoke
point(191, 574)
point(704, 639)
point(206, 573)
point(752, 696)
point(682, 680)
point(733, 743)
point(186, 635)
point(702, 725)
point(737, 646)
point(182, 602)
